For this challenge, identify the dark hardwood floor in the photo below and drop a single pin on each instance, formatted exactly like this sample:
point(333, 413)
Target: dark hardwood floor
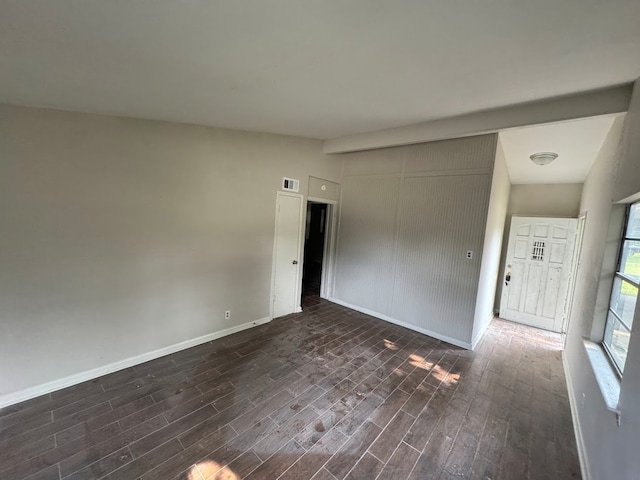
point(326, 394)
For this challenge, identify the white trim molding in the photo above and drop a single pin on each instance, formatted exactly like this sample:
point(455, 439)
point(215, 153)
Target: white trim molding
point(42, 389)
point(415, 328)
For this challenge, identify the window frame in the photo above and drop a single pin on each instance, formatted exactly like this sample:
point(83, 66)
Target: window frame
point(624, 277)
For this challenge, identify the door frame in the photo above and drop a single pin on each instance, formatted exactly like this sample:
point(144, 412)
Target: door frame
point(301, 229)
point(330, 240)
point(577, 252)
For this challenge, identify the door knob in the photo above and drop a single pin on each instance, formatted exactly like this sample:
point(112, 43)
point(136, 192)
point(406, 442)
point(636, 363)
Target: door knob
point(295, 262)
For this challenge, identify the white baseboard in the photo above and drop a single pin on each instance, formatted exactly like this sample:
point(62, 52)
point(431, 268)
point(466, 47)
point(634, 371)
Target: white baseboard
point(415, 328)
point(582, 452)
point(32, 392)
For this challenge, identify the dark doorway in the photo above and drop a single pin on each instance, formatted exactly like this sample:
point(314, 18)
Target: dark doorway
point(315, 233)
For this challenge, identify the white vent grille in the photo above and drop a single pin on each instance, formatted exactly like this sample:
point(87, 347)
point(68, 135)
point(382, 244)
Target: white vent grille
point(290, 184)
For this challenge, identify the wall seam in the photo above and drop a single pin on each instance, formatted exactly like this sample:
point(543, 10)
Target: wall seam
point(396, 237)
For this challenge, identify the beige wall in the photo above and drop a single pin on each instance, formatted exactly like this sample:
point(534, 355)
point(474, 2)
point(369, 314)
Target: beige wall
point(122, 236)
point(628, 169)
point(611, 451)
point(542, 200)
point(408, 215)
point(550, 200)
point(494, 232)
point(322, 189)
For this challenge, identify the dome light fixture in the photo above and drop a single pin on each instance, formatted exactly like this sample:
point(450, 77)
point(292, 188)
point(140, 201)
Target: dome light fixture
point(543, 158)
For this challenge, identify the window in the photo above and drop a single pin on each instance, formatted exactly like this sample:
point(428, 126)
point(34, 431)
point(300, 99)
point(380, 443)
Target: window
point(625, 291)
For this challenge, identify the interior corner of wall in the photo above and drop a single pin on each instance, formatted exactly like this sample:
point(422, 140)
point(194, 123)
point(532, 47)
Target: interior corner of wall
point(479, 329)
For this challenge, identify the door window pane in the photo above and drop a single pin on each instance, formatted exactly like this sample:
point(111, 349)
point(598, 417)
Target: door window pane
point(616, 337)
point(623, 300)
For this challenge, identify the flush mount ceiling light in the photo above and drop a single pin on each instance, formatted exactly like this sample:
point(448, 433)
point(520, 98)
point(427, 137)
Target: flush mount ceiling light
point(543, 158)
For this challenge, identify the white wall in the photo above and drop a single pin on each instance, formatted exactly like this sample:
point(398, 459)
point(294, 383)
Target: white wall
point(610, 451)
point(628, 171)
point(489, 271)
point(541, 200)
point(408, 216)
point(550, 200)
point(122, 236)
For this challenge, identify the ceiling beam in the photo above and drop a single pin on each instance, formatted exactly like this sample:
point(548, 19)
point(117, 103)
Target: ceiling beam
point(590, 104)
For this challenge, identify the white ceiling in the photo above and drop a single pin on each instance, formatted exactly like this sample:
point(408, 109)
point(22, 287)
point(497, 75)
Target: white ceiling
point(577, 144)
point(315, 68)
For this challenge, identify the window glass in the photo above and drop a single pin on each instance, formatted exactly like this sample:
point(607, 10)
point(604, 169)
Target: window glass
point(633, 223)
point(624, 294)
point(630, 259)
point(623, 300)
point(616, 337)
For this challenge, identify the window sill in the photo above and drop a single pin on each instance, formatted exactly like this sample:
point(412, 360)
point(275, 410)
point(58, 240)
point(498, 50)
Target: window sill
point(607, 379)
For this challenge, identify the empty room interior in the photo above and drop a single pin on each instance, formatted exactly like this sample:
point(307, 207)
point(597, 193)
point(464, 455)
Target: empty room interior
point(319, 240)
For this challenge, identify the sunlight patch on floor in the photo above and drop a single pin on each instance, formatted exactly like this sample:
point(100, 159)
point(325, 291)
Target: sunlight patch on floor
point(210, 469)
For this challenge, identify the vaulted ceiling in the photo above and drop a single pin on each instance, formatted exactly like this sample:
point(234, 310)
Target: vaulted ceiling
point(313, 68)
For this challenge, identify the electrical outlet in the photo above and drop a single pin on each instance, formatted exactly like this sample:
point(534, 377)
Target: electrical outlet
point(469, 254)
point(227, 314)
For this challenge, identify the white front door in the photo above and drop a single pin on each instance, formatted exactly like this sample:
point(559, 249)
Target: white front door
point(537, 270)
point(286, 262)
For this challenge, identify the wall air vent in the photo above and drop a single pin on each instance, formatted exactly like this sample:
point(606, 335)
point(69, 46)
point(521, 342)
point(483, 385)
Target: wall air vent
point(290, 184)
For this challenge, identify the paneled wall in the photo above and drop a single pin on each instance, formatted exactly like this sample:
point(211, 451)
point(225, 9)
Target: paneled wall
point(367, 242)
point(409, 215)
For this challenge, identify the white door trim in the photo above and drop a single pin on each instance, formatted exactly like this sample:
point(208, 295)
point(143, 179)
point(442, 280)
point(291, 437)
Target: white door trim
point(328, 257)
point(577, 251)
point(298, 282)
point(329, 253)
point(322, 200)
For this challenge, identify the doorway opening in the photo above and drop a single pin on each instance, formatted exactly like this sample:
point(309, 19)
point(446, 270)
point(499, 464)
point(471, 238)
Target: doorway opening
point(315, 244)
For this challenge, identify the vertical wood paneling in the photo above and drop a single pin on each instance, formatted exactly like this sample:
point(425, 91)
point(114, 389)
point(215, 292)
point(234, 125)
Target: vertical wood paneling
point(435, 284)
point(366, 242)
point(383, 161)
point(403, 240)
point(458, 154)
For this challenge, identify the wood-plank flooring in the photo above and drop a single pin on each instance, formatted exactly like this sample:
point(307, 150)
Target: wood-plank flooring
point(326, 394)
